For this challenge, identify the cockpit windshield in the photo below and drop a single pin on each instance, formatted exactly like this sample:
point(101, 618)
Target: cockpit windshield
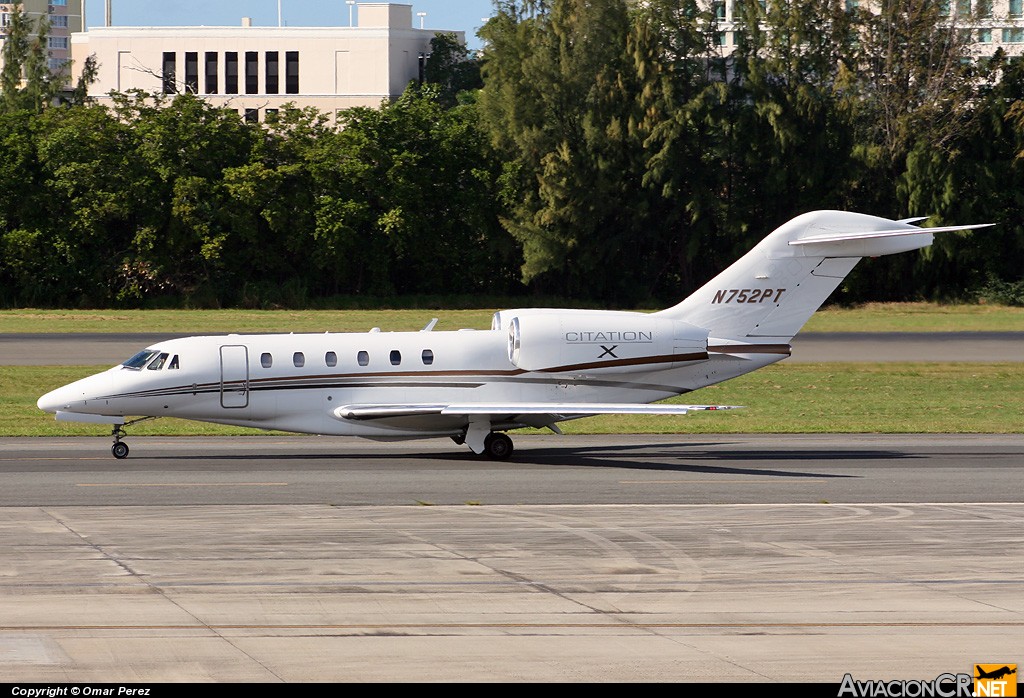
point(140, 359)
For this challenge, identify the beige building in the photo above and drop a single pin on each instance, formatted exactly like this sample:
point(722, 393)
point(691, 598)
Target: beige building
point(65, 19)
point(255, 69)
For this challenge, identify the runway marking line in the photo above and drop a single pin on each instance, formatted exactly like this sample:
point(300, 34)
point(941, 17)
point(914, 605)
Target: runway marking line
point(621, 625)
point(181, 484)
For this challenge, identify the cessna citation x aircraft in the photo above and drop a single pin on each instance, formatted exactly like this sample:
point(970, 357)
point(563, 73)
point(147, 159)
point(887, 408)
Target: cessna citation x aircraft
point(533, 368)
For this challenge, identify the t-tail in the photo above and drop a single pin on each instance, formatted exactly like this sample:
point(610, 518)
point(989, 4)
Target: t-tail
point(768, 295)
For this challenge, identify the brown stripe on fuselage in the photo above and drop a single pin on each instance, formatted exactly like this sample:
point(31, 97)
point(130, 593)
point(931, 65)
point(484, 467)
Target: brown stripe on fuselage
point(751, 349)
point(638, 361)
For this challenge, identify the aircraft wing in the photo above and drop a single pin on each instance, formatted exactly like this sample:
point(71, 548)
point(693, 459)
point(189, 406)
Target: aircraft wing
point(506, 409)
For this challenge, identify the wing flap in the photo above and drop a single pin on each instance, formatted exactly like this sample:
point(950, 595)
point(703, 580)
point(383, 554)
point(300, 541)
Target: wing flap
point(366, 412)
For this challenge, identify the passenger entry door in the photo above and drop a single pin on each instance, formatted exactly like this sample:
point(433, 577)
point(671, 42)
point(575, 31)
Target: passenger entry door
point(234, 376)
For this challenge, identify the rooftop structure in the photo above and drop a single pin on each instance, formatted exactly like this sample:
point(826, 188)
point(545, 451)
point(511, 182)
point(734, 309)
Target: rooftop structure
point(256, 69)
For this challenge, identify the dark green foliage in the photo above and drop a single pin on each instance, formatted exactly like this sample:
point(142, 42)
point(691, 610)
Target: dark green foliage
point(605, 151)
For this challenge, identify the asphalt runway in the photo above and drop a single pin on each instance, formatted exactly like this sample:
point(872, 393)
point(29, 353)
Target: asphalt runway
point(110, 349)
point(586, 559)
point(627, 470)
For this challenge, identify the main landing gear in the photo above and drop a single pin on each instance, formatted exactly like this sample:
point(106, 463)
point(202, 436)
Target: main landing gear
point(120, 449)
point(495, 445)
point(498, 446)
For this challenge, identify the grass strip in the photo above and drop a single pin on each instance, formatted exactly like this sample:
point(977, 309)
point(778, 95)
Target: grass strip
point(888, 398)
point(873, 317)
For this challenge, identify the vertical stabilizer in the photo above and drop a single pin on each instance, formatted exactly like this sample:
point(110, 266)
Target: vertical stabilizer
point(770, 293)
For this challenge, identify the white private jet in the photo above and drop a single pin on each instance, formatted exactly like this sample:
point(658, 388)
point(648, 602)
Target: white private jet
point(533, 368)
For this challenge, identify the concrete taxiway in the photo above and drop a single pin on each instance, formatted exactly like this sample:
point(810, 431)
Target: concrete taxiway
point(682, 558)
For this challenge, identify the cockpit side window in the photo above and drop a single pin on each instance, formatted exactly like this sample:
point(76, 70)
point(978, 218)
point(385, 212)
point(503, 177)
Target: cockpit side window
point(158, 363)
point(140, 359)
point(174, 363)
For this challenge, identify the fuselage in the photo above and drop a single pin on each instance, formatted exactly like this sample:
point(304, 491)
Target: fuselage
point(297, 382)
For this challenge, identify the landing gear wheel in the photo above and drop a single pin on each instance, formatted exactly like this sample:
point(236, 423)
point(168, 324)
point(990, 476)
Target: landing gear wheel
point(498, 446)
point(460, 439)
point(120, 450)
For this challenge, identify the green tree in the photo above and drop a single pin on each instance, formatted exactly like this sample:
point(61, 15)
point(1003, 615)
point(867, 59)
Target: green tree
point(26, 81)
point(405, 201)
point(452, 68)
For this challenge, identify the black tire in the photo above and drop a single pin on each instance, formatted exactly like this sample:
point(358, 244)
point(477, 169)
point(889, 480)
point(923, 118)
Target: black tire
point(460, 439)
point(120, 450)
point(498, 446)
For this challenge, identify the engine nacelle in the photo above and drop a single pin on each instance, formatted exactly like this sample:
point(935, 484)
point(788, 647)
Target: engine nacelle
point(588, 340)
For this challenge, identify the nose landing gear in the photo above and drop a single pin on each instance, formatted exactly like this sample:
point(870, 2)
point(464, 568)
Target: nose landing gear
point(120, 449)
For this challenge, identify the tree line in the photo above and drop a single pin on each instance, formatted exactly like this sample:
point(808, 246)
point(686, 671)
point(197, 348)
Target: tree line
point(604, 151)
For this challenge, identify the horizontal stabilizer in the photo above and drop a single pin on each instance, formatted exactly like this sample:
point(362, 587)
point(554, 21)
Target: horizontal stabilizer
point(869, 235)
point(515, 408)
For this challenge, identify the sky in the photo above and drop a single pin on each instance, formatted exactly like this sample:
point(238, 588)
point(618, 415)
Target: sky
point(454, 15)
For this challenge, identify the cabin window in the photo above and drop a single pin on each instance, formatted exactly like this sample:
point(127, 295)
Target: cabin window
point(140, 359)
point(396, 357)
point(266, 360)
point(331, 359)
point(363, 358)
point(299, 359)
point(174, 363)
point(158, 363)
point(427, 356)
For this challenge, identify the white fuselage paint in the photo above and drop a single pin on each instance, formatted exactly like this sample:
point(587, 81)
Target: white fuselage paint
point(212, 382)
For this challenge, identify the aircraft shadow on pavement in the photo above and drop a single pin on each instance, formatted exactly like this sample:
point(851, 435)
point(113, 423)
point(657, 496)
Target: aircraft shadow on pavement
point(682, 457)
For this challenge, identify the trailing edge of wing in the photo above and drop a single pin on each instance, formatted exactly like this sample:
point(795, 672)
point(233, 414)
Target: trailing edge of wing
point(515, 408)
point(867, 235)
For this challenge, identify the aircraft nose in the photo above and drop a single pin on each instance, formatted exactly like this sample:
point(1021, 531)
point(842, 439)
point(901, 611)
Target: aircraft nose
point(53, 400)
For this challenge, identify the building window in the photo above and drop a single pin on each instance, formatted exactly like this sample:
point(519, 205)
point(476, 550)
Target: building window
point(984, 36)
point(231, 73)
point(722, 38)
point(1014, 35)
point(299, 359)
point(719, 8)
point(60, 3)
point(169, 75)
point(266, 360)
point(5, 19)
point(396, 357)
point(211, 73)
point(852, 5)
point(363, 358)
point(330, 358)
point(271, 115)
point(252, 72)
point(272, 72)
point(427, 356)
point(291, 72)
point(1016, 8)
point(963, 7)
point(57, 42)
point(57, 64)
point(192, 72)
point(59, 21)
point(251, 116)
point(985, 8)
